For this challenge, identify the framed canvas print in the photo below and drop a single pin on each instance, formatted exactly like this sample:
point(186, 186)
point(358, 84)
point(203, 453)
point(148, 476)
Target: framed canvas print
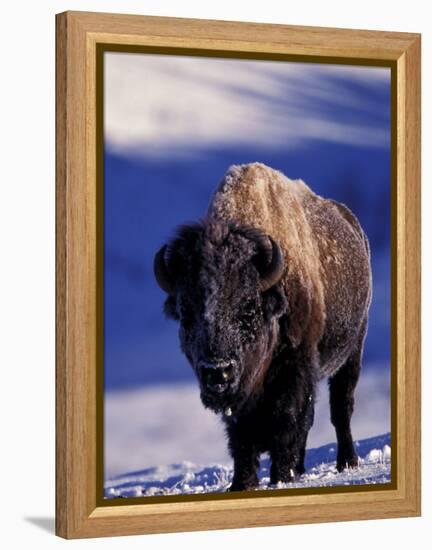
point(238, 274)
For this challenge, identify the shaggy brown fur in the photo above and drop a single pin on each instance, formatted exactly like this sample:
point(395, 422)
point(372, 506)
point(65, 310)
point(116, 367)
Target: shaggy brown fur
point(272, 292)
point(325, 250)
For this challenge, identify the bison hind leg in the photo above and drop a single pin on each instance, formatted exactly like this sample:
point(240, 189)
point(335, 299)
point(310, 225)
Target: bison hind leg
point(342, 387)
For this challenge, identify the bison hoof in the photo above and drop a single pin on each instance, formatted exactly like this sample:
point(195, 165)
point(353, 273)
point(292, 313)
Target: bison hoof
point(347, 464)
point(283, 477)
point(245, 486)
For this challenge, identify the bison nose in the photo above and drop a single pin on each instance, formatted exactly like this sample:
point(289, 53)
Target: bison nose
point(216, 375)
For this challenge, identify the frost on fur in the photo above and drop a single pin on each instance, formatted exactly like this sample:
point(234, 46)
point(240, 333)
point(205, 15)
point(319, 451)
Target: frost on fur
point(271, 291)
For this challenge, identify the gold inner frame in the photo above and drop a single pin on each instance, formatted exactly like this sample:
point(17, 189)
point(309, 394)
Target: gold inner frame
point(101, 49)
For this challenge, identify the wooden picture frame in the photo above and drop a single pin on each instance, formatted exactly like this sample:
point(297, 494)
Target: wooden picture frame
point(81, 38)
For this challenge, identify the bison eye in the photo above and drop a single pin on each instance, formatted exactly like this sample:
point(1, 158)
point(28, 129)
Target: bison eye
point(248, 307)
point(248, 312)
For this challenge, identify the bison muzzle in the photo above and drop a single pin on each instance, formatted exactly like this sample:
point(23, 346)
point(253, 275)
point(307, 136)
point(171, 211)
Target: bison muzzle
point(272, 291)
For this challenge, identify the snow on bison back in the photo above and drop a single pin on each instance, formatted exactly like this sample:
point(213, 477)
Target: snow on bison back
point(272, 291)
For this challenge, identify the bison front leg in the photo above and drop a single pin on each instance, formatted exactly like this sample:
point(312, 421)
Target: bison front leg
point(283, 460)
point(288, 447)
point(303, 435)
point(292, 415)
point(245, 455)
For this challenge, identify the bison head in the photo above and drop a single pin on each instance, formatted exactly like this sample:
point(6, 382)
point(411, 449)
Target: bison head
point(222, 285)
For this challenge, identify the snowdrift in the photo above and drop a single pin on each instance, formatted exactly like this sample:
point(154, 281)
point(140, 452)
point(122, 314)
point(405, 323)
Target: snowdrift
point(190, 478)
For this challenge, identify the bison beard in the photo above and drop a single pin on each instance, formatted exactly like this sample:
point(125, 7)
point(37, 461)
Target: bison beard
point(272, 291)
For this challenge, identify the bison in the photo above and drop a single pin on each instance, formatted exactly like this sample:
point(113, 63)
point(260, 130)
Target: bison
point(272, 291)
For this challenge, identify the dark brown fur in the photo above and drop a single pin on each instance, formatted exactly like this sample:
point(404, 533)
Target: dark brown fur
point(259, 354)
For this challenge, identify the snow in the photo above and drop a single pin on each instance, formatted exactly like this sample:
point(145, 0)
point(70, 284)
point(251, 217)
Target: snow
point(166, 424)
point(159, 440)
point(190, 478)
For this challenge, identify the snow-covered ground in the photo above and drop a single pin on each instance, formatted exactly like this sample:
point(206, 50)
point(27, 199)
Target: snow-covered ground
point(149, 427)
point(190, 478)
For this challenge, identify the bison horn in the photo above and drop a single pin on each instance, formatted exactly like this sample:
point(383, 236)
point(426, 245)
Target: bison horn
point(161, 272)
point(271, 274)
